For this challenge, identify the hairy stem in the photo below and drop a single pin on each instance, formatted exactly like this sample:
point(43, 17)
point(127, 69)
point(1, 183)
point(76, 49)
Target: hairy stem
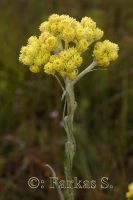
point(85, 71)
point(68, 116)
point(70, 145)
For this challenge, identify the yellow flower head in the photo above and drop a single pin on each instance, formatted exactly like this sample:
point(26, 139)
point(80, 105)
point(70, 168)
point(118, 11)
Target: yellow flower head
point(129, 194)
point(48, 68)
point(98, 34)
point(44, 26)
point(51, 43)
point(105, 52)
point(77, 60)
point(29, 52)
point(64, 55)
point(34, 69)
point(54, 18)
point(88, 22)
point(42, 58)
point(89, 34)
point(68, 34)
point(54, 29)
point(72, 75)
point(57, 64)
point(63, 24)
point(80, 33)
point(59, 47)
point(70, 66)
point(82, 45)
point(32, 39)
point(44, 36)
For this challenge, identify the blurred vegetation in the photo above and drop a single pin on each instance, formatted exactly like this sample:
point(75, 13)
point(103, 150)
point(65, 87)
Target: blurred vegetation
point(31, 134)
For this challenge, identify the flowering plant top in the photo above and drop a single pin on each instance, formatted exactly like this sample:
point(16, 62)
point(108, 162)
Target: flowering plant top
point(60, 46)
point(58, 51)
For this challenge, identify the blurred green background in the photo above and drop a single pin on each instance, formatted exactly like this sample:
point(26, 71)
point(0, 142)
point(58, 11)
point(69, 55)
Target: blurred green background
point(31, 132)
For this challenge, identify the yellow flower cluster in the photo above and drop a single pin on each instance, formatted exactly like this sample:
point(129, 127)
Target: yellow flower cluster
point(59, 47)
point(105, 52)
point(129, 194)
point(70, 30)
point(65, 63)
point(34, 54)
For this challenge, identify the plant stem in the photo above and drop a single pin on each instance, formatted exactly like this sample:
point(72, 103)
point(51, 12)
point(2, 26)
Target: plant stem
point(85, 71)
point(68, 116)
point(58, 188)
point(70, 145)
point(60, 83)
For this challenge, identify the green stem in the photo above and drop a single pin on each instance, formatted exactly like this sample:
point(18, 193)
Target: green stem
point(70, 145)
